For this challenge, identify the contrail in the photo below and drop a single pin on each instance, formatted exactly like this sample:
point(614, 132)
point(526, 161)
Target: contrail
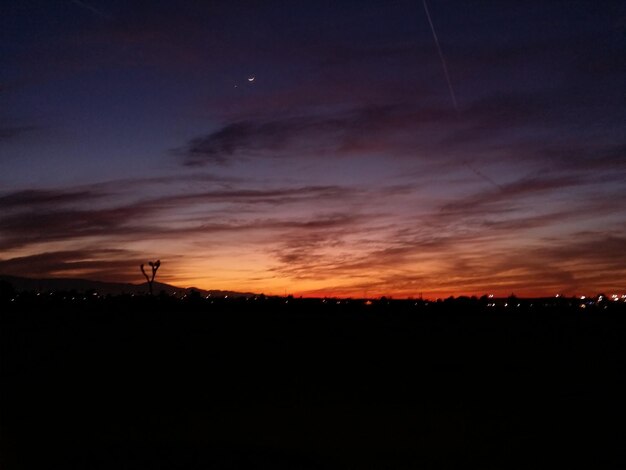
point(483, 176)
point(443, 59)
point(90, 8)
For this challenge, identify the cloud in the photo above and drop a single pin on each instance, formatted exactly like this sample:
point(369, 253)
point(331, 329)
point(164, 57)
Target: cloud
point(276, 226)
point(45, 225)
point(39, 216)
point(102, 264)
point(496, 198)
point(485, 241)
point(501, 127)
point(353, 237)
point(343, 132)
point(31, 198)
point(278, 196)
point(586, 264)
point(589, 156)
point(590, 249)
point(245, 138)
point(516, 123)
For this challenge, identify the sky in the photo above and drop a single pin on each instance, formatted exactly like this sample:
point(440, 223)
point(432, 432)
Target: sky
point(317, 148)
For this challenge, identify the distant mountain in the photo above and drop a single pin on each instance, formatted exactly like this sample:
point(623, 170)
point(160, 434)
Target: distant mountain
point(23, 284)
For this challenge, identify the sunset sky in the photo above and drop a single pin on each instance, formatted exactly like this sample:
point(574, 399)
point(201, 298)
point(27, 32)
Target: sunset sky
point(314, 147)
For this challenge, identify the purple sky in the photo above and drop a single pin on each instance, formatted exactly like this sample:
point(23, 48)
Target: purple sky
point(130, 131)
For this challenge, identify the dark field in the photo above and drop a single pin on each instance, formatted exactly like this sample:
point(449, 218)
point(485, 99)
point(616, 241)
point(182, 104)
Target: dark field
point(131, 383)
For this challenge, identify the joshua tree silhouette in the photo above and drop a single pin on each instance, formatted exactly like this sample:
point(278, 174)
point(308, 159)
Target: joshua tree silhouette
point(150, 279)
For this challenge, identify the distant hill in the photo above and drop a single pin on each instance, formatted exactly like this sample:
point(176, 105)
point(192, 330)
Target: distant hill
point(23, 284)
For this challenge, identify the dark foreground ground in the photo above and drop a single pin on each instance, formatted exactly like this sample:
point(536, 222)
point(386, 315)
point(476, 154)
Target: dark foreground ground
point(149, 383)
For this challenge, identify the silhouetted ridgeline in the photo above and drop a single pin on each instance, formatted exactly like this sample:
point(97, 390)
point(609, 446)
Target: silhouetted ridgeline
point(23, 284)
point(133, 381)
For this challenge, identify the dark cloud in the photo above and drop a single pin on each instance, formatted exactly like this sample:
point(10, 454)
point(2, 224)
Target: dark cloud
point(32, 198)
point(247, 138)
point(516, 109)
point(103, 264)
point(607, 250)
point(504, 125)
point(278, 196)
point(37, 226)
point(170, 179)
point(281, 227)
point(589, 156)
point(525, 124)
point(37, 216)
point(370, 128)
point(529, 222)
point(380, 247)
point(493, 199)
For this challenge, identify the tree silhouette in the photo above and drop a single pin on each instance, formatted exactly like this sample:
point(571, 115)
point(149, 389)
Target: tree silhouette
point(154, 266)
